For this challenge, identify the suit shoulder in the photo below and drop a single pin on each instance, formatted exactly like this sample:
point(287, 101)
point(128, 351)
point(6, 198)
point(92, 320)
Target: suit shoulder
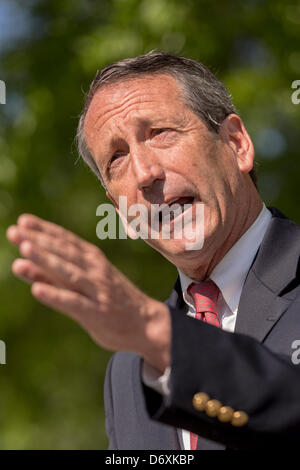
point(282, 221)
point(283, 233)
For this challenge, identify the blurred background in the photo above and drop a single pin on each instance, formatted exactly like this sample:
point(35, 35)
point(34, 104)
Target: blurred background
point(51, 388)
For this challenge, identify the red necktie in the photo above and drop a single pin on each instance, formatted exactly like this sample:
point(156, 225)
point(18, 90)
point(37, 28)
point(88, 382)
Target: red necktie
point(205, 295)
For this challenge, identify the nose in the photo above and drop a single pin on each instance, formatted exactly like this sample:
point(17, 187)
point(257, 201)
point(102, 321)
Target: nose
point(146, 167)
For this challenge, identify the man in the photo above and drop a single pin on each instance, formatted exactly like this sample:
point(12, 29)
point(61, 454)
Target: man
point(158, 129)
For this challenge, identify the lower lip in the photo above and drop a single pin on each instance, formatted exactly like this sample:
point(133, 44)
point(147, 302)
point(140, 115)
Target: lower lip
point(183, 212)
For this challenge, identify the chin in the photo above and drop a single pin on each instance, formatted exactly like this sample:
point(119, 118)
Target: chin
point(176, 249)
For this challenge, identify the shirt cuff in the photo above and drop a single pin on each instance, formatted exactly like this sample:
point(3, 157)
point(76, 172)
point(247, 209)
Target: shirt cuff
point(155, 380)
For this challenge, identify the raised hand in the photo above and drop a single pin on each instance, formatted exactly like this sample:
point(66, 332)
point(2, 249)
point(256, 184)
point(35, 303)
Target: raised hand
point(74, 277)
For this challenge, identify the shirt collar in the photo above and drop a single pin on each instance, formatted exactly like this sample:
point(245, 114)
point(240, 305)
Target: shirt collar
point(231, 272)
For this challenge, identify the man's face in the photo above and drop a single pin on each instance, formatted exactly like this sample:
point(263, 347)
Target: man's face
point(150, 147)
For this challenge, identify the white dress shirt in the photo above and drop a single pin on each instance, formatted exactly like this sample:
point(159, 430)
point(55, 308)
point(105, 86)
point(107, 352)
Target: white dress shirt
point(229, 275)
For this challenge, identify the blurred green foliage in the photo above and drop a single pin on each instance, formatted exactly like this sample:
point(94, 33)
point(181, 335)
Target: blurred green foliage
point(51, 388)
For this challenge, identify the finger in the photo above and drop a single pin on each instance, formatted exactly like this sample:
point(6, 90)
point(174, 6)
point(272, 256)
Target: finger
point(29, 272)
point(76, 306)
point(33, 222)
point(65, 273)
point(12, 234)
point(57, 246)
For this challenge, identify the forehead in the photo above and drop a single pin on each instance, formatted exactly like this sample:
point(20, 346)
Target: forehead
point(159, 94)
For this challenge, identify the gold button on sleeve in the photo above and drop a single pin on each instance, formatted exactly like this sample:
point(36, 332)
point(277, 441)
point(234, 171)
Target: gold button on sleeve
point(225, 414)
point(199, 401)
point(239, 418)
point(212, 408)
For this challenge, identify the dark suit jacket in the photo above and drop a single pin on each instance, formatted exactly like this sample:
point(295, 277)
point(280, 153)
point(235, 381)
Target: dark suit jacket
point(249, 370)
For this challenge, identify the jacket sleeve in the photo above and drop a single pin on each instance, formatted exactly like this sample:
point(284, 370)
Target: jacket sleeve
point(108, 405)
point(238, 371)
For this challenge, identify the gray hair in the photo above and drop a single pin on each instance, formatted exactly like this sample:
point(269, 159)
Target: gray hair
point(203, 93)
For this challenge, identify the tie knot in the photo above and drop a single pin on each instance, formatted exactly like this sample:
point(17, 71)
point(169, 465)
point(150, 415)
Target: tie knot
point(205, 295)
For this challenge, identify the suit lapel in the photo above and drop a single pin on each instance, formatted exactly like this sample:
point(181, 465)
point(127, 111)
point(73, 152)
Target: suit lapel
point(259, 309)
point(274, 268)
point(176, 298)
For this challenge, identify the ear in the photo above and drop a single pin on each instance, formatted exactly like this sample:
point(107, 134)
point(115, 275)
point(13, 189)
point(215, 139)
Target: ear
point(130, 232)
point(233, 131)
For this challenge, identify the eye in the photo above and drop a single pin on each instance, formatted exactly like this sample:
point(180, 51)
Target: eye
point(116, 156)
point(159, 131)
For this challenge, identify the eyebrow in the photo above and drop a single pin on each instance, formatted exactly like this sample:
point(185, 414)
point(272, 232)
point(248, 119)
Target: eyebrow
point(143, 123)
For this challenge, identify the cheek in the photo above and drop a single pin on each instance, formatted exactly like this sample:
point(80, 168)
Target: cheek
point(207, 167)
point(182, 153)
point(123, 191)
point(193, 159)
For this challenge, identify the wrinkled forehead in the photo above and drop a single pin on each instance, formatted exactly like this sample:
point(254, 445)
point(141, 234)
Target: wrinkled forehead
point(146, 93)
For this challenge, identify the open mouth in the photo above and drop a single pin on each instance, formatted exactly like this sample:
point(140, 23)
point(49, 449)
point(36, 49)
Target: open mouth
point(176, 208)
point(182, 201)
